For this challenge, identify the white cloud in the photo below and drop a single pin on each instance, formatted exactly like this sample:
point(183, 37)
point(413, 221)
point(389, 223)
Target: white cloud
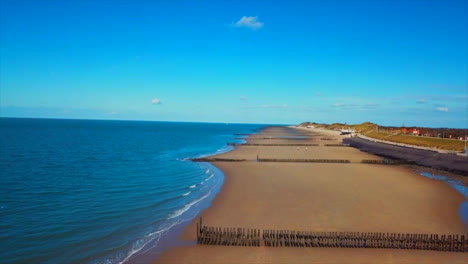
point(421, 101)
point(442, 109)
point(275, 106)
point(344, 106)
point(156, 101)
point(249, 22)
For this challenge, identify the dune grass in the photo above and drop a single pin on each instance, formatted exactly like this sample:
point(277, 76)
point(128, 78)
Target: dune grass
point(370, 130)
point(432, 142)
point(440, 143)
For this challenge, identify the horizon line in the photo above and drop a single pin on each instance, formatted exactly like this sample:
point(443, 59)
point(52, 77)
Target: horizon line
point(215, 122)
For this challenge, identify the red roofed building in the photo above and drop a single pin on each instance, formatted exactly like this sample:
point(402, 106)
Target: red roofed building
point(416, 132)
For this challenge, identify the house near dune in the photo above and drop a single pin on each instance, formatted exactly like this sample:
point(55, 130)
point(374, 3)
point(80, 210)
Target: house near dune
point(416, 132)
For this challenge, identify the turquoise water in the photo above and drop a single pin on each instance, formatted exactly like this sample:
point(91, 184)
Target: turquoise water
point(89, 191)
point(463, 209)
point(453, 183)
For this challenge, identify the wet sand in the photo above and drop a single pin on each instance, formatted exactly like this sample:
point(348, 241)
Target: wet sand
point(322, 197)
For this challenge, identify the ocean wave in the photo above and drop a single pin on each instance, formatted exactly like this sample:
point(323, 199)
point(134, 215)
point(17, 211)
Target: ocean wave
point(138, 246)
point(224, 149)
point(188, 206)
point(151, 237)
point(149, 241)
point(211, 176)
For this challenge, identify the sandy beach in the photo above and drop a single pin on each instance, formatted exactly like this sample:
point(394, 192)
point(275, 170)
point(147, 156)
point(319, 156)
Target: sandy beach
point(322, 197)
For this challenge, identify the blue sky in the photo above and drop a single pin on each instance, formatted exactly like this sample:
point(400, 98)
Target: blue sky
point(390, 62)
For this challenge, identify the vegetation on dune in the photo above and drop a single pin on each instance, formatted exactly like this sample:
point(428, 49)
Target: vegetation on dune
point(379, 132)
point(442, 143)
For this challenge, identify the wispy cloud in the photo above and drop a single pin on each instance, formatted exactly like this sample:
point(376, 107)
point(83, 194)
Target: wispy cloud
point(155, 101)
point(343, 106)
point(248, 22)
point(274, 105)
point(243, 98)
point(421, 101)
point(433, 97)
point(442, 109)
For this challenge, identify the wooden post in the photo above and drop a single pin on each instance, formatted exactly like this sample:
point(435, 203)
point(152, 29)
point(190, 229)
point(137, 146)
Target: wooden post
point(201, 224)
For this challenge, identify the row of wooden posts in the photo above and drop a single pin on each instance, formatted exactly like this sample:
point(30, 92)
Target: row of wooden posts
point(384, 161)
point(305, 160)
point(273, 145)
point(286, 145)
point(286, 238)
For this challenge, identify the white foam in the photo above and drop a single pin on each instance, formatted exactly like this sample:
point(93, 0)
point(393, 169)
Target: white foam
point(187, 206)
point(140, 244)
point(211, 176)
point(185, 194)
point(193, 186)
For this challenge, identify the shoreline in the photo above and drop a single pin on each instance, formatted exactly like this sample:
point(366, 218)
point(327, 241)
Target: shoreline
point(171, 238)
point(257, 213)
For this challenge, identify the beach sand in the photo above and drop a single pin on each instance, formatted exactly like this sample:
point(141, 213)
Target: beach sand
point(322, 197)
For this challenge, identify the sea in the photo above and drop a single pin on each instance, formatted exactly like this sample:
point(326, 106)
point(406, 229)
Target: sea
point(102, 191)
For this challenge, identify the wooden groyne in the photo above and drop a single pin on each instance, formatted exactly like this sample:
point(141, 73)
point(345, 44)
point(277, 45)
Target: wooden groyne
point(274, 145)
point(228, 236)
point(283, 138)
point(305, 160)
point(287, 238)
point(385, 162)
point(382, 162)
